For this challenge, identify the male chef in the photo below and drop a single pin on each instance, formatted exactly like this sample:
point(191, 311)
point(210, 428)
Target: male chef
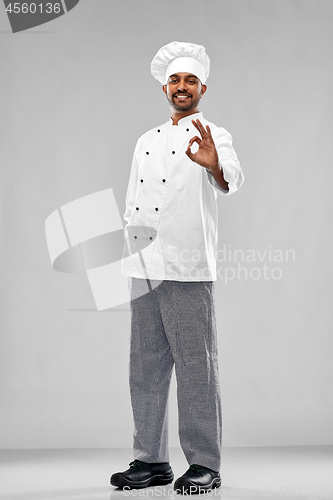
point(177, 171)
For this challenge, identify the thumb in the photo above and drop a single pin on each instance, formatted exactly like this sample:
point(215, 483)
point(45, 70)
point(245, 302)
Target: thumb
point(189, 153)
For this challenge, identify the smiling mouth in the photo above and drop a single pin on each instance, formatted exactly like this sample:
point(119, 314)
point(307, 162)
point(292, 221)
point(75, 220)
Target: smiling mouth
point(182, 97)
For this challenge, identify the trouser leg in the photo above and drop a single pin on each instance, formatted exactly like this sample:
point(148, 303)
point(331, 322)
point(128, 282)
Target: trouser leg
point(151, 364)
point(188, 315)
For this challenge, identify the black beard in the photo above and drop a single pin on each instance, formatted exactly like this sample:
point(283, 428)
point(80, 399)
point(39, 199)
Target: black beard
point(192, 105)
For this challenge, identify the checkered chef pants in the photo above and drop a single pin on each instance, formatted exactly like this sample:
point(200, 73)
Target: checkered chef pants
point(174, 324)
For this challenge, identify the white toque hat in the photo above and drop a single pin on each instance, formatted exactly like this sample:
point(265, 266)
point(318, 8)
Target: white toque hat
point(180, 57)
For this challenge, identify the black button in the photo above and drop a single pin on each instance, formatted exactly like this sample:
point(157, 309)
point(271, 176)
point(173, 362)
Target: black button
point(173, 152)
point(163, 180)
point(135, 237)
point(156, 209)
point(158, 130)
point(141, 180)
point(147, 152)
point(187, 130)
point(150, 237)
point(137, 208)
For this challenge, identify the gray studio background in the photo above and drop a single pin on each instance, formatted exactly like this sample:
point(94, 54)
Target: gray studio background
point(76, 94)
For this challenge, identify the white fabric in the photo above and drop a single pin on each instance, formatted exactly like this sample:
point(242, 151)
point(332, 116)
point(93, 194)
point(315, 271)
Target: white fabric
point(186, 220)
point(173, 50)
point(186, 65)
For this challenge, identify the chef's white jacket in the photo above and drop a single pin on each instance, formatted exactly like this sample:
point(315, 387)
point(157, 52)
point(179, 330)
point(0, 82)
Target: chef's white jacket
point(171, 208)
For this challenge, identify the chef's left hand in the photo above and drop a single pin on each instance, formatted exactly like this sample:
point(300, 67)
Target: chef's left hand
point(206, 156)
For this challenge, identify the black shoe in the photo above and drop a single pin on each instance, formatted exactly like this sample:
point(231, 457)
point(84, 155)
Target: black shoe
point(141, 474)
point(197, 479)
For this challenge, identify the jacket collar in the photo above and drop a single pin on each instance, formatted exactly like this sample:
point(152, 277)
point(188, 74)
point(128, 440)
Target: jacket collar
point(187, 120)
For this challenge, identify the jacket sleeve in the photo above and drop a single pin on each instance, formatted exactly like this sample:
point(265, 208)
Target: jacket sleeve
point(228, 161)
point(132, 183)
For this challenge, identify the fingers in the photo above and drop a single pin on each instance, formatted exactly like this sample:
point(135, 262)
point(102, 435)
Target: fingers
point(194, 139)
point(189, 153)
point(198, 125)
point(190, 143)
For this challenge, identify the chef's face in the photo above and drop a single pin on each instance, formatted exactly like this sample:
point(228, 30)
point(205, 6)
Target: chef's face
point(184, 92)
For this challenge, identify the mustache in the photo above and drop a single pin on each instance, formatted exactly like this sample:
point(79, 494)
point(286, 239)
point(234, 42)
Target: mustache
point(181, 93)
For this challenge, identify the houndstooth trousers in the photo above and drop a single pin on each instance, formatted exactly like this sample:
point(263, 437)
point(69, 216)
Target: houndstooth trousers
point(174, 325)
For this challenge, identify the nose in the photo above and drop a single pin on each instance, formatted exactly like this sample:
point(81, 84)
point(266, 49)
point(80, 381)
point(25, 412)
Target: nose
point(182, 86)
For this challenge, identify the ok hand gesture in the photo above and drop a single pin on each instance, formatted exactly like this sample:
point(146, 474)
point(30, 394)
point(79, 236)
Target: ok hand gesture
point(206, 156)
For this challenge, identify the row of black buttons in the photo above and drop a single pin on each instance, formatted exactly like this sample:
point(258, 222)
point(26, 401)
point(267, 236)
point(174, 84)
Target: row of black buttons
point(137, 208)
point(187, 130)
point(141, 180)
point(173, 152)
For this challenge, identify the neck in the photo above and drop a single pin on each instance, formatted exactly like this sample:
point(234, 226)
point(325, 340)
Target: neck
point(178, 115)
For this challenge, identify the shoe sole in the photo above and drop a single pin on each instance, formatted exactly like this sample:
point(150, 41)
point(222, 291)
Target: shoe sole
point(194, 489)
point(156, 480)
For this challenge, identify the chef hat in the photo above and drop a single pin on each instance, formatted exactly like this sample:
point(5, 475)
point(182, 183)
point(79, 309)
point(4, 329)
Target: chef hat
point(180, 57)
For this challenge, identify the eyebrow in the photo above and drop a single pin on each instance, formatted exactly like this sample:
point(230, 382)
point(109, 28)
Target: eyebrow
point(188, 76)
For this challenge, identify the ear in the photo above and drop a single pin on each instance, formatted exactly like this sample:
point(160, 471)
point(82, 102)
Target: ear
point(164, 88)
point(203, 89)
